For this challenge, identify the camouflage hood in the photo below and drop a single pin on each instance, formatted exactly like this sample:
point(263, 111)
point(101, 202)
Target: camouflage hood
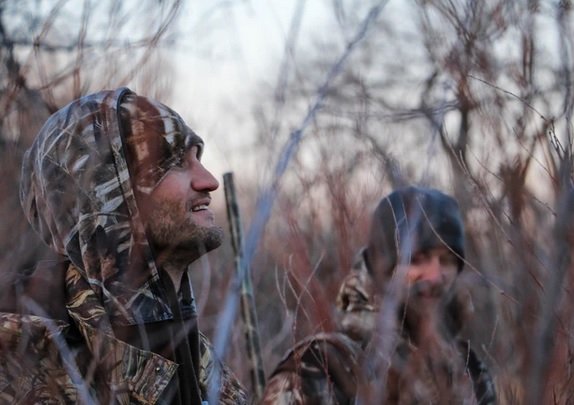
point(79, 194)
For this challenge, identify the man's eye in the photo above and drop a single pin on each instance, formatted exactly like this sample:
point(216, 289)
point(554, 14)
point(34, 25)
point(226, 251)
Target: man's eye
point(449, 259)
point(418, 258)
point(179, 162)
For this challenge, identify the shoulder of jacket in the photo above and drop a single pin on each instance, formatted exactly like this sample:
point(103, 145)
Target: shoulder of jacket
point(13, 326)
point(314, 352)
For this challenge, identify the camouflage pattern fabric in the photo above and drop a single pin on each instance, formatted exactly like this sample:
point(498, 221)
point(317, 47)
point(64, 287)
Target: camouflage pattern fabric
point(322, 369)
point(231, 391)
point(357, 302)
point(40, 367)
point(77, 193)
point(330, 368)
point(80, 196)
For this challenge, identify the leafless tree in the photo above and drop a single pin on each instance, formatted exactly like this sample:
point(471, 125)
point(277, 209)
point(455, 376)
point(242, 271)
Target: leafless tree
point(472, 97)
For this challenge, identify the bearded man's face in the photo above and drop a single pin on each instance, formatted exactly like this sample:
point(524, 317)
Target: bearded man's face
point(177, 215)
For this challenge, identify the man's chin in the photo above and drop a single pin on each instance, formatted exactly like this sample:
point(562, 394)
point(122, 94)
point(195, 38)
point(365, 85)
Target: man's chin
point(417, 312)
point(188, 247)
point(205, 239)
point(213, 238)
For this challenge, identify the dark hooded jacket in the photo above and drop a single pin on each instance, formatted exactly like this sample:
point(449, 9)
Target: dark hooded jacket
point(112, 328)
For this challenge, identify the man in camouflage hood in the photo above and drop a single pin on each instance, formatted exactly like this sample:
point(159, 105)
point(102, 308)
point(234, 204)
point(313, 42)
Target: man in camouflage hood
point(114, 184)
point(400, 318)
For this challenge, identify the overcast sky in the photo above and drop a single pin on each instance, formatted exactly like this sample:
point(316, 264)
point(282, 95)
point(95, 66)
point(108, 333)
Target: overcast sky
point(228, 50)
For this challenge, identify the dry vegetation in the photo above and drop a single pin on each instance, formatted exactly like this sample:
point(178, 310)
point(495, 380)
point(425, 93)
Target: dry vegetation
point(474, 97)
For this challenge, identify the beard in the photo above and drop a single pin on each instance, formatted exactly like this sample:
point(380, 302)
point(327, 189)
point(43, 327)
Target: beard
point(177, 237)
point(425, 311)
point(429, 367)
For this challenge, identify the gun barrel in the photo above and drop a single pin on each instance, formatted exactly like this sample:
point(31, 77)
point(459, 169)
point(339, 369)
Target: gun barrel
point(243, 271)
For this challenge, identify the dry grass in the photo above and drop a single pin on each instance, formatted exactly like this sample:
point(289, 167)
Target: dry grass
point(490, 126)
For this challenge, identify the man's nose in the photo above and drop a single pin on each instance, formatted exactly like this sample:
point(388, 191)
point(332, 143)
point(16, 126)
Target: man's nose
point(202, 179)
point(432, 272)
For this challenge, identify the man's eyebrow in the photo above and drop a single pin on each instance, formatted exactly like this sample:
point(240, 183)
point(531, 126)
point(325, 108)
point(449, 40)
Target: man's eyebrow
point(418, 254)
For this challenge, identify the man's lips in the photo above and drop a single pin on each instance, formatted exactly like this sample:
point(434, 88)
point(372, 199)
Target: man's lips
point(425, 289)
point(200, 204)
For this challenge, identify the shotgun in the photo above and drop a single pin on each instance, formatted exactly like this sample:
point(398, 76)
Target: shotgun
point(248, 313)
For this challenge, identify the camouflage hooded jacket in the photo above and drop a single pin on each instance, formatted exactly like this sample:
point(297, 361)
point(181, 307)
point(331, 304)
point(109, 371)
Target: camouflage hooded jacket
point(79, 194)
point(331, 368)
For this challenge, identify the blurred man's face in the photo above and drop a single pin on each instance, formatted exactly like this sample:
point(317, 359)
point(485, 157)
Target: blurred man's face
point(177, 214)
point(430, 275)
point(425, 292)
